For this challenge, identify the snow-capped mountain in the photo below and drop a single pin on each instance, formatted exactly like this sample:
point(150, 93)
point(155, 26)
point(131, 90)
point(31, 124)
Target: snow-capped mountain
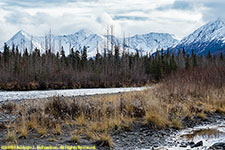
point(152, 41)
point(209, 37)
point(77, 41)
point(146, 43)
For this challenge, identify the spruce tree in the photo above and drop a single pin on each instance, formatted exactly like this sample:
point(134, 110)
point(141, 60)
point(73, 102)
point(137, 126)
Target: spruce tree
point(6, 53)
point(77, 59)
point(209, 56)
point(221, 56)
point(63, 58)
point(173, 65)
point(194, 58)
point(187, 64)
point(84, 57)
point(117, 53)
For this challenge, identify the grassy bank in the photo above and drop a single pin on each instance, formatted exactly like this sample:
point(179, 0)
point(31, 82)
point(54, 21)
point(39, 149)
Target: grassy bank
point(186, 94)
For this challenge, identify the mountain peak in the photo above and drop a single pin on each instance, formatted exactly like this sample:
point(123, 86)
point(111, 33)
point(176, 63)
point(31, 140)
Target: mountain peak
point(212, 30)
point(220, 19)
point(21, 33)
point(84, 37)
point(209, 37)
point(216, 24)
point(84, 32)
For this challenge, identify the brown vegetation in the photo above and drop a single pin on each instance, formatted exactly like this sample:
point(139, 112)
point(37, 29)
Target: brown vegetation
point(185, 94)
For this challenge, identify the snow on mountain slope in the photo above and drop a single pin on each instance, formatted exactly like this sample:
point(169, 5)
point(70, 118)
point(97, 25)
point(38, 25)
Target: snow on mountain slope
point(77, 41)
point(209, 37)
point(152, 41)
point(146, 43)
point(23, 40)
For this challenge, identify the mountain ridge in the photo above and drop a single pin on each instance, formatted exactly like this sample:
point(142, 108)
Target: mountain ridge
point(209, 37)
point(148, 42)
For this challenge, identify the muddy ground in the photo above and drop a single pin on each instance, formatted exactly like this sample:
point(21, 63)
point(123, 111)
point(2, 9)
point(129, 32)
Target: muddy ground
point(138, 136)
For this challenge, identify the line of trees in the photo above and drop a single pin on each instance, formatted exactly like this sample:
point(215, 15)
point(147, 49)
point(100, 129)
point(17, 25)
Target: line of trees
point(113, 68)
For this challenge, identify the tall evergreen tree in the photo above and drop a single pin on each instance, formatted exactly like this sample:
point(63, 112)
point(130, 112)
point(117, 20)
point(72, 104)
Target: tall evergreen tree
point(187, 63)
point(6, 53)
point(194, 58)
point(84, 57)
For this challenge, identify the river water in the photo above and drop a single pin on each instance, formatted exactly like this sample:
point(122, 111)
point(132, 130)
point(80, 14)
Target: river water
point(20, 95)
point(208, 134)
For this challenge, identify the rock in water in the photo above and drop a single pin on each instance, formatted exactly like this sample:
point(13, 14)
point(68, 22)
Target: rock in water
point(183, 144)
point(218, 146)
point(197, 144)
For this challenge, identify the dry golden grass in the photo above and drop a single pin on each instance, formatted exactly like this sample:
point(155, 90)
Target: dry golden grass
point(52, 140)
point(156, 120)
point(177, 124)
point(202, 115)
point(42, 130)
point(75, 139)
point(220, 110)
point(185, 94)
point(98, 126)
point(33, 122)
point(81, 120)
point(219, 106)
point(11, 137)
point(126, 122)
point(58, 129)
point(22, 129)
point(108, 112)
point(115, 123)
point(89, 134)
point(105, 140)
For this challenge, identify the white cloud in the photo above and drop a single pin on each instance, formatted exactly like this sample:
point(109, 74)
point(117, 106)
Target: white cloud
point(179, 17)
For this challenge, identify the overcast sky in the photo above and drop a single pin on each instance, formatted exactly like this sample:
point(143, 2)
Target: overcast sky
point(179, 17)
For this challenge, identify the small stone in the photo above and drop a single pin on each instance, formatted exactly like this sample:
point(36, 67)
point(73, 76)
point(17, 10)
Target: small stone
point(197, 144)
point(191, 143)
point(183, 144)
point(155, 146)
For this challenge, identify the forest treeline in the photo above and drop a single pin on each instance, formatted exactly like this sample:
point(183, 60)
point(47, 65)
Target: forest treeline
point(114, 68)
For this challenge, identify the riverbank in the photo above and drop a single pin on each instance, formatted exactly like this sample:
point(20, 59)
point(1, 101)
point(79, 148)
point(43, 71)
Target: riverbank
point(107, 121)
point(136, 136)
